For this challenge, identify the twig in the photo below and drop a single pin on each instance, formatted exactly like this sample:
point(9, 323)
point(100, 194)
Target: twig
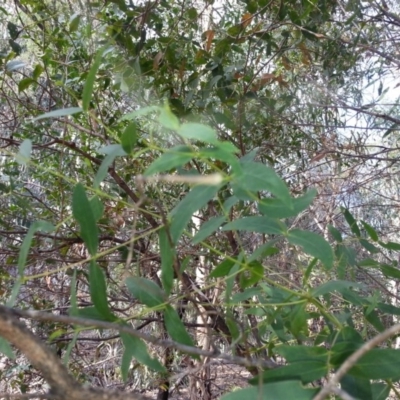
point(352, 360)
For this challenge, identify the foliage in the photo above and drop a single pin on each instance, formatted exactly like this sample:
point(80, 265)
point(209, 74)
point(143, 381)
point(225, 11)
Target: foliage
point(189, 169)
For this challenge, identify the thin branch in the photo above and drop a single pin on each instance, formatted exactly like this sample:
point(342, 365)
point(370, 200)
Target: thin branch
point(42, 316)
point(352, 360)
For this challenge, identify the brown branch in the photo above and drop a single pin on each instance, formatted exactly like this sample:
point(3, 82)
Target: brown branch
point(62, 385)
point(43, 316)
point(352, 360)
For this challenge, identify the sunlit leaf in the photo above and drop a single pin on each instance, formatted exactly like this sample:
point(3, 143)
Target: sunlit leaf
point(59, 113)
point(312, 244)
point(24, 152)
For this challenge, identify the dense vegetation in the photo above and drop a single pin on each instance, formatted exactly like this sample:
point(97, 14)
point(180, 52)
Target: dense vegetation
point(191, 185)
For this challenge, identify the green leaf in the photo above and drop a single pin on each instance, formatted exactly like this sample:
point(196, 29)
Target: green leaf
point(6, 349)
point(138, 113)
point(371, 231)
point(129, 137)
point(253, 272)
point(378, 364)
point(38, 226)
point(59, 113)
point(208, 228)
point(352, 222)
point(313, 245)
point(197, 198)
point(167, 119)
point(202, 133)
point(256, 177)
point(146, 291)
point(266, 250)
point(37, 71)
point(97, 207)
point(24, 152)
point(373, 318)
point(98, 291)
point(306, 371)
point(222, 269)
point(90, 79)
point(172, 158)
point(73, 310)
point(112, 152)
point(175, 327)
point(74, 22)
point(359, 388)
point(295, 353)
point(136, 348)
point(335, 233)
point(391, 246)
point(23, 84)
point(91, 313)
point(285, 390)
point(83, 213)
point(389, 271)
point(276, 208)
point(335, 286)
point(298, 320)
point(380, 391)
point(369, 246)
point(257, 224)
point(167, 261)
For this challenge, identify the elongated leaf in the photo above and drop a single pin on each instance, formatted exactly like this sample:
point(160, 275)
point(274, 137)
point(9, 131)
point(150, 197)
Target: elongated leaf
point(138, 113)
point(371, 231)
point(199, 132)
point(167, 261)
point(26, 244)
point(90, 79)
point(295, 353)
point(306, 371)
point(391, 246)
point(97, 207)
point(23, 84)
point(257, 224)
point(105, 164)
point(129, 137)
point(335, 233)
point(256, 177)
point(253, 272)
point(172, 158)
point(378, 364)
point(359, 388)
point(146, 291)
point(276, 208)
point(167, 119)
point(313, 245)
point(285, 390)
point(175, 327)
point(136, 348)
point(197, 198)
point(98, 291)
point(333, 286)
point(83, 213)
point(24, 152)
point(6, 349)
point(222, 269)
point(208, 228)
point(59, 113)
point(352, 222)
